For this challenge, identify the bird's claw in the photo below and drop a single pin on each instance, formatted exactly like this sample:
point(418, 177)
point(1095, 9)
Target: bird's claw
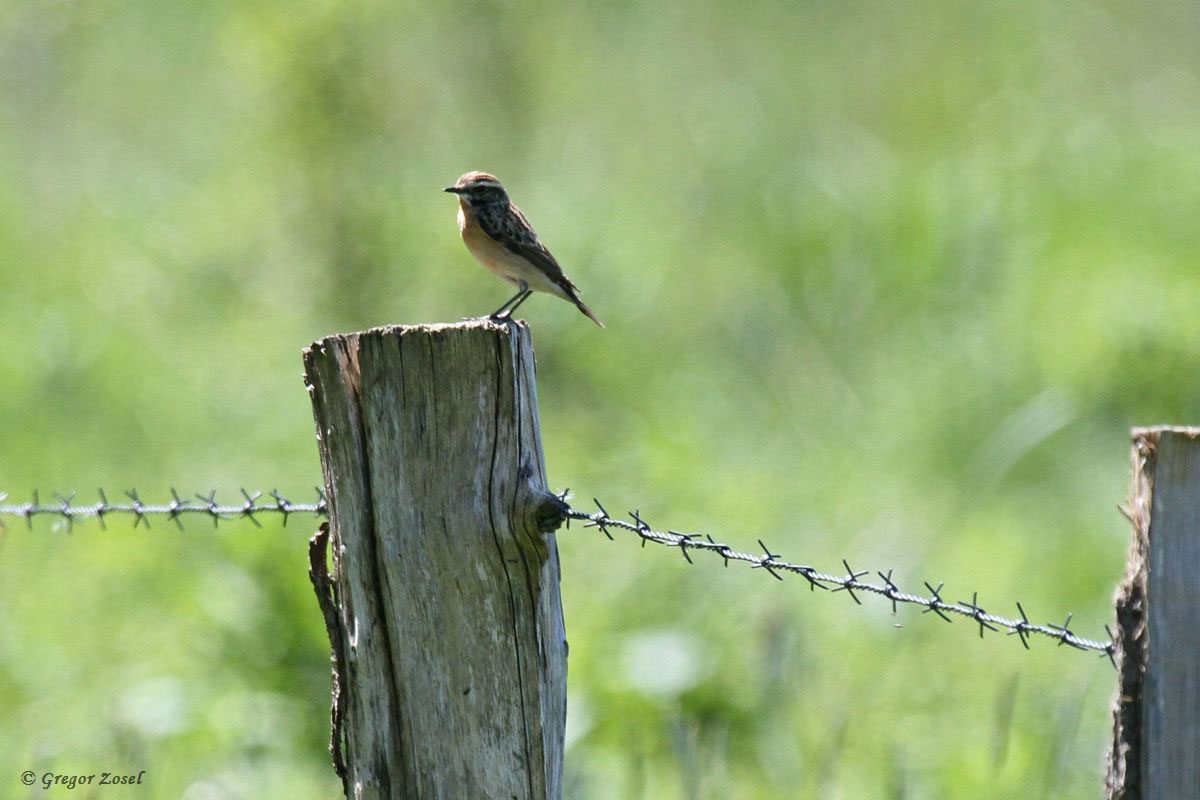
point(503, 319)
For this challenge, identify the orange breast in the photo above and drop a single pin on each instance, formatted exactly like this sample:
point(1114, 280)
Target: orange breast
point(483, 247)
point(509, 266)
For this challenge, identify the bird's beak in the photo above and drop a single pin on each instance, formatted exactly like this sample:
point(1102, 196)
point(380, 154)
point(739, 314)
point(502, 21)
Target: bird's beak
point(453, 190)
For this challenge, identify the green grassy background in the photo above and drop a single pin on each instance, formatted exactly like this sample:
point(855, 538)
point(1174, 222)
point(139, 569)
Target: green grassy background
point(887, 282)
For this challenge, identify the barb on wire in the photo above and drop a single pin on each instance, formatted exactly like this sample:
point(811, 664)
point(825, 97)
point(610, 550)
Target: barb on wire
point(175, 509)
point(851, 582)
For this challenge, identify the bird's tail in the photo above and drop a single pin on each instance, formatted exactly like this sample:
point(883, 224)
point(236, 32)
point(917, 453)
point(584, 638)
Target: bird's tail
point(568, 290)
point(582, 306)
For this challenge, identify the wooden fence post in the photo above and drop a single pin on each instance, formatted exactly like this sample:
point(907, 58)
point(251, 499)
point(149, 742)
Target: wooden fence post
point(444, 611)
point(1155, 753)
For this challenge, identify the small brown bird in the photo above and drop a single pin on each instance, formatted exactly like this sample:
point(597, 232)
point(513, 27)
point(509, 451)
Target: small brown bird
point(500, 238)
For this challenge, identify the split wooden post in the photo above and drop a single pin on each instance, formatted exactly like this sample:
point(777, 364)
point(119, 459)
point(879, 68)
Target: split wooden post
point(1155, 753)
point(443, 606)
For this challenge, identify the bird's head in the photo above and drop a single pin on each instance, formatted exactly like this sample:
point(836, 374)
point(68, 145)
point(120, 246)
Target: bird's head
point(479, 189)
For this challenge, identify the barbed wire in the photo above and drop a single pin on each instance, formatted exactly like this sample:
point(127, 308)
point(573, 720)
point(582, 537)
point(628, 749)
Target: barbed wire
point(203, 505)
point(851, 582)
point(253, 504)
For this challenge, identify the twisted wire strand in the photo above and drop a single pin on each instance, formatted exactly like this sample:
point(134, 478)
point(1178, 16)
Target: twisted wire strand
point(254, 504)
point(851, 582)
point(204, 505)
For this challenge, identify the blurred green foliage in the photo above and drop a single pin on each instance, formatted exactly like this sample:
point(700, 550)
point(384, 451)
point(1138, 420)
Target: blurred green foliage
point(887, 282)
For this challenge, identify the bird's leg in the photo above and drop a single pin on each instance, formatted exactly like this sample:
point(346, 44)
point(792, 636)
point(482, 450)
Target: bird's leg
point(524, 297)
point(505, 311)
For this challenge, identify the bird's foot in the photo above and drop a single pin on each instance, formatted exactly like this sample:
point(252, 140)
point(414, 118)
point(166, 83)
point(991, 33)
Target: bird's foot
point(502, 319)
point(498, 319)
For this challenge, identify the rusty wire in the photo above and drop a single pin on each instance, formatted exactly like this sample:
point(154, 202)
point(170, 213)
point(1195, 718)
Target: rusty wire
point(206, 506)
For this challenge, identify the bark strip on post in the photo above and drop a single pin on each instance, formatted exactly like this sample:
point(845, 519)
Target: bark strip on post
point(1155, 753)
point(446, 579)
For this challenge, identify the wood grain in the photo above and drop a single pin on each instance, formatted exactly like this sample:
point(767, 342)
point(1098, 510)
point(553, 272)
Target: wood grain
point(447, 588)
point(1155, 754)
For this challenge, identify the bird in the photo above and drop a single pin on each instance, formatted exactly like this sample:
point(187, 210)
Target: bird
point(501, 238)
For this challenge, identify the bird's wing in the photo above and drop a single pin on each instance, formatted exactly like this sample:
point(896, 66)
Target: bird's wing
point(509, 228)
point(514, 233)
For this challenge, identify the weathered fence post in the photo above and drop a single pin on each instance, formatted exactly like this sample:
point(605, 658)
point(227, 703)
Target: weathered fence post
point(444, 612)
point(1155, 753)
